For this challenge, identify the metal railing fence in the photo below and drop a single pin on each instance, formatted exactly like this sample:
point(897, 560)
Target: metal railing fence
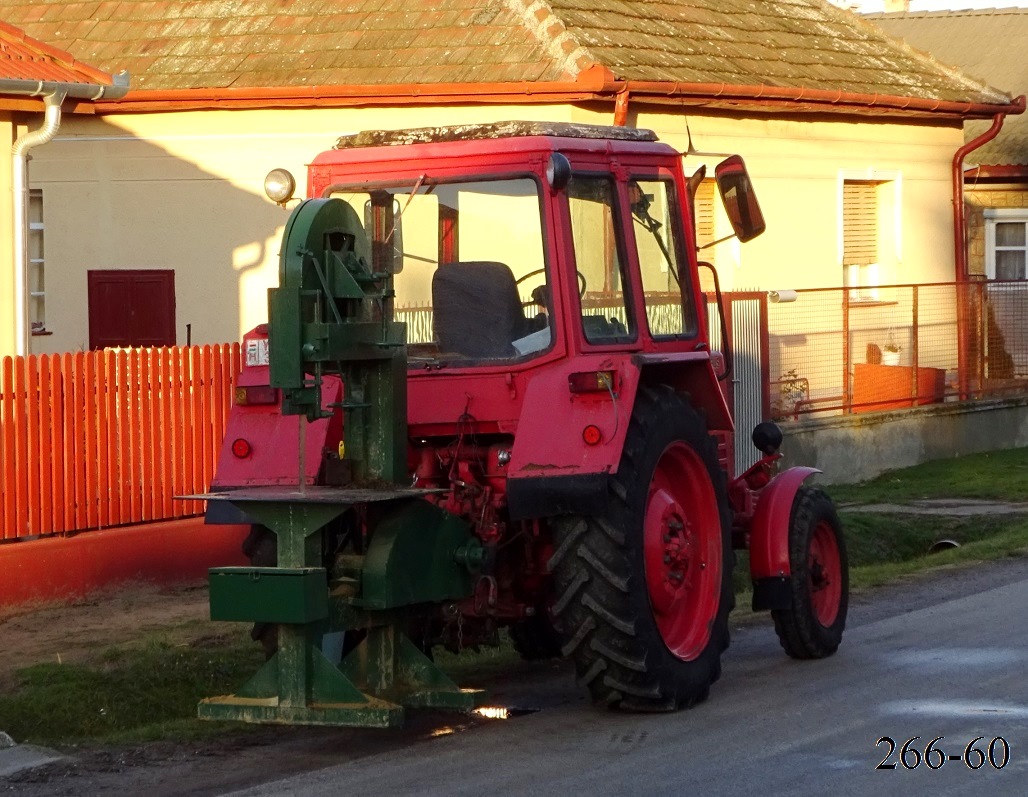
point(837, 350)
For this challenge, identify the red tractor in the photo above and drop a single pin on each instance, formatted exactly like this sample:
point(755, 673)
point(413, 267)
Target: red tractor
point(502, 328)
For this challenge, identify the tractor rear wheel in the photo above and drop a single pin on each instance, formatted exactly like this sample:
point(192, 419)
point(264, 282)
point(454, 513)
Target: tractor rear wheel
point(644, 590)
point(535, 637)
point(819, 583)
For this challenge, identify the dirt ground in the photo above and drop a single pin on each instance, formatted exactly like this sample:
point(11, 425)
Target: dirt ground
point(33, 634)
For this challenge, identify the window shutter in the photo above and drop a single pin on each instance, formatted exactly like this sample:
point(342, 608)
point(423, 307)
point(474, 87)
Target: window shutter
point(705, 215)
point(859, 223)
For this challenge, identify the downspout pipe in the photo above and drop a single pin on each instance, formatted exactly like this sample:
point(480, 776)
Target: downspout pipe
point(960, 241)
point(54, 94)
point(20, 150)
point(959, 220)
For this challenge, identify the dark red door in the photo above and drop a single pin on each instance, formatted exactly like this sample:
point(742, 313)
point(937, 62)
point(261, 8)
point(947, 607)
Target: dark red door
point(132, 307)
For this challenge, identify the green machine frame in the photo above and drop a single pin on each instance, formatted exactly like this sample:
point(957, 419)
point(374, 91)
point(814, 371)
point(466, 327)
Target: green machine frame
point(332, 314)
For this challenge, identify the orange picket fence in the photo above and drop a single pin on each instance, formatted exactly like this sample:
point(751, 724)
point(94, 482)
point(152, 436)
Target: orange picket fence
point(90, 440)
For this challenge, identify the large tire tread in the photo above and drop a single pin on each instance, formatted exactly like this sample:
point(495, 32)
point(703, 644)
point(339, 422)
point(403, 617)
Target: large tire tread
point(602, 607)
point(800, 632)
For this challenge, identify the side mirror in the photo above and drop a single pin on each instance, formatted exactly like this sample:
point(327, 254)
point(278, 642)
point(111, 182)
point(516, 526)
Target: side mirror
point(733, 182)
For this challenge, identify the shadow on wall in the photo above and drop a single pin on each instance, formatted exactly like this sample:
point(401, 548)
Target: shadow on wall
point(130, 204)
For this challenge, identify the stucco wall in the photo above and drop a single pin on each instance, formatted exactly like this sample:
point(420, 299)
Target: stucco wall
point(798, 168)
point(854, 448)
point(7, 326)
point(184, 191)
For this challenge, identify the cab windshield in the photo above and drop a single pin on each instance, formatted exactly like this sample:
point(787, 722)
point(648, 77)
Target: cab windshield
point(468, 264)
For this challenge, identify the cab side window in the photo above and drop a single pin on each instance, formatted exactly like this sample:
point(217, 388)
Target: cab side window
point(599, 261)
point(656, 222)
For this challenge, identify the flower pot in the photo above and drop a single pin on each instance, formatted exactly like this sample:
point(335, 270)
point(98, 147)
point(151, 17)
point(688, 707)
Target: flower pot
point(890, 358)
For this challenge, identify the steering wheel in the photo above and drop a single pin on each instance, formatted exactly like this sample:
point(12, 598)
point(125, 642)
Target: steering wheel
point(538, 271)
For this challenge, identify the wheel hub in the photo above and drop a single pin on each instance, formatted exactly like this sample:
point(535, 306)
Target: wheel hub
point(682, 541)
point(824, 567)
point(678, 550)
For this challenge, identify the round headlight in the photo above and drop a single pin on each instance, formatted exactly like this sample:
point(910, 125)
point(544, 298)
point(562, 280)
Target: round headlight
point(279, 185)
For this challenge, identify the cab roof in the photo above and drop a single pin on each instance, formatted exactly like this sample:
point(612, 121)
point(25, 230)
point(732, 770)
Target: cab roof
point(479, 132)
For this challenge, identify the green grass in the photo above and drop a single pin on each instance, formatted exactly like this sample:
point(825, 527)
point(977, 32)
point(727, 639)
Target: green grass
point(131, 693)
point(873, 539)
point(999, 475)
point(891, 535)
point(885, 547)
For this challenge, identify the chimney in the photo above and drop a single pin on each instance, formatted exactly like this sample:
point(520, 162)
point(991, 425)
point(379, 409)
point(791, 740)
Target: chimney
point(892, 6)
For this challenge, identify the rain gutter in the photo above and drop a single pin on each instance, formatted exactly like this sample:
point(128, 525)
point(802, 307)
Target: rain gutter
point(53, 94)
point(596, 83)
point(829, 100)
point(590, 85)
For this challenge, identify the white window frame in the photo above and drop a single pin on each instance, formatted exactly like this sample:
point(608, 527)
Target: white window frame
point(37, 267)
point(865, 278)
point(994, 216)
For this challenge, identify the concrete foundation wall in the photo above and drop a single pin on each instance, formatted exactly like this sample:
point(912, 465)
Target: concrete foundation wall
point(854, 448)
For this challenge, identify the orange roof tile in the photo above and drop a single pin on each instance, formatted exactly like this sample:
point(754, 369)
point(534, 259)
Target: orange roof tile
point(24, 58)
point(266, 45)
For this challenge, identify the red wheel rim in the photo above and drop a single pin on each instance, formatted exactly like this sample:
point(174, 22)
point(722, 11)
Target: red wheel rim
point(682, 551)
point(825, 574)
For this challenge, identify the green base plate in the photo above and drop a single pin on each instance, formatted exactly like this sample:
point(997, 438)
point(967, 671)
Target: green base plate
point(375, 713)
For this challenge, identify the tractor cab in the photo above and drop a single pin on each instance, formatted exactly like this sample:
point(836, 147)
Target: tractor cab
point(521, 241)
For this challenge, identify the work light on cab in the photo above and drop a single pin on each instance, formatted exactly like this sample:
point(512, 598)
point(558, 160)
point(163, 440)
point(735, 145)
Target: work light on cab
point(280, 186)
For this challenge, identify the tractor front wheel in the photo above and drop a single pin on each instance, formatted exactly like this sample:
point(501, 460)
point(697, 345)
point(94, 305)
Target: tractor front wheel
point(819, 584)
point(644, 589)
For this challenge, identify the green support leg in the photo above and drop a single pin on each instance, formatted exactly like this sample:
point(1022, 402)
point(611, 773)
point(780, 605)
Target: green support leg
point(298, 685)
point(389, 665)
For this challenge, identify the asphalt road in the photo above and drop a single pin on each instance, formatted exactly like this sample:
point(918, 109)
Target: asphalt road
point(941, 659)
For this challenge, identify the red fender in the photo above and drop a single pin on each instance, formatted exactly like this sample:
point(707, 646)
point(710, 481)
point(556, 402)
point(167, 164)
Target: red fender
point(769, 530)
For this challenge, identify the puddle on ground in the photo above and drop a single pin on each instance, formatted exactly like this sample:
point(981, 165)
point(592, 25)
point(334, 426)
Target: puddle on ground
point(502, 712)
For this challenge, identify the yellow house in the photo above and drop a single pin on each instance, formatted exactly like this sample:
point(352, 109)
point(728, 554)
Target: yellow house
point(157, 229)
point(37, 82)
